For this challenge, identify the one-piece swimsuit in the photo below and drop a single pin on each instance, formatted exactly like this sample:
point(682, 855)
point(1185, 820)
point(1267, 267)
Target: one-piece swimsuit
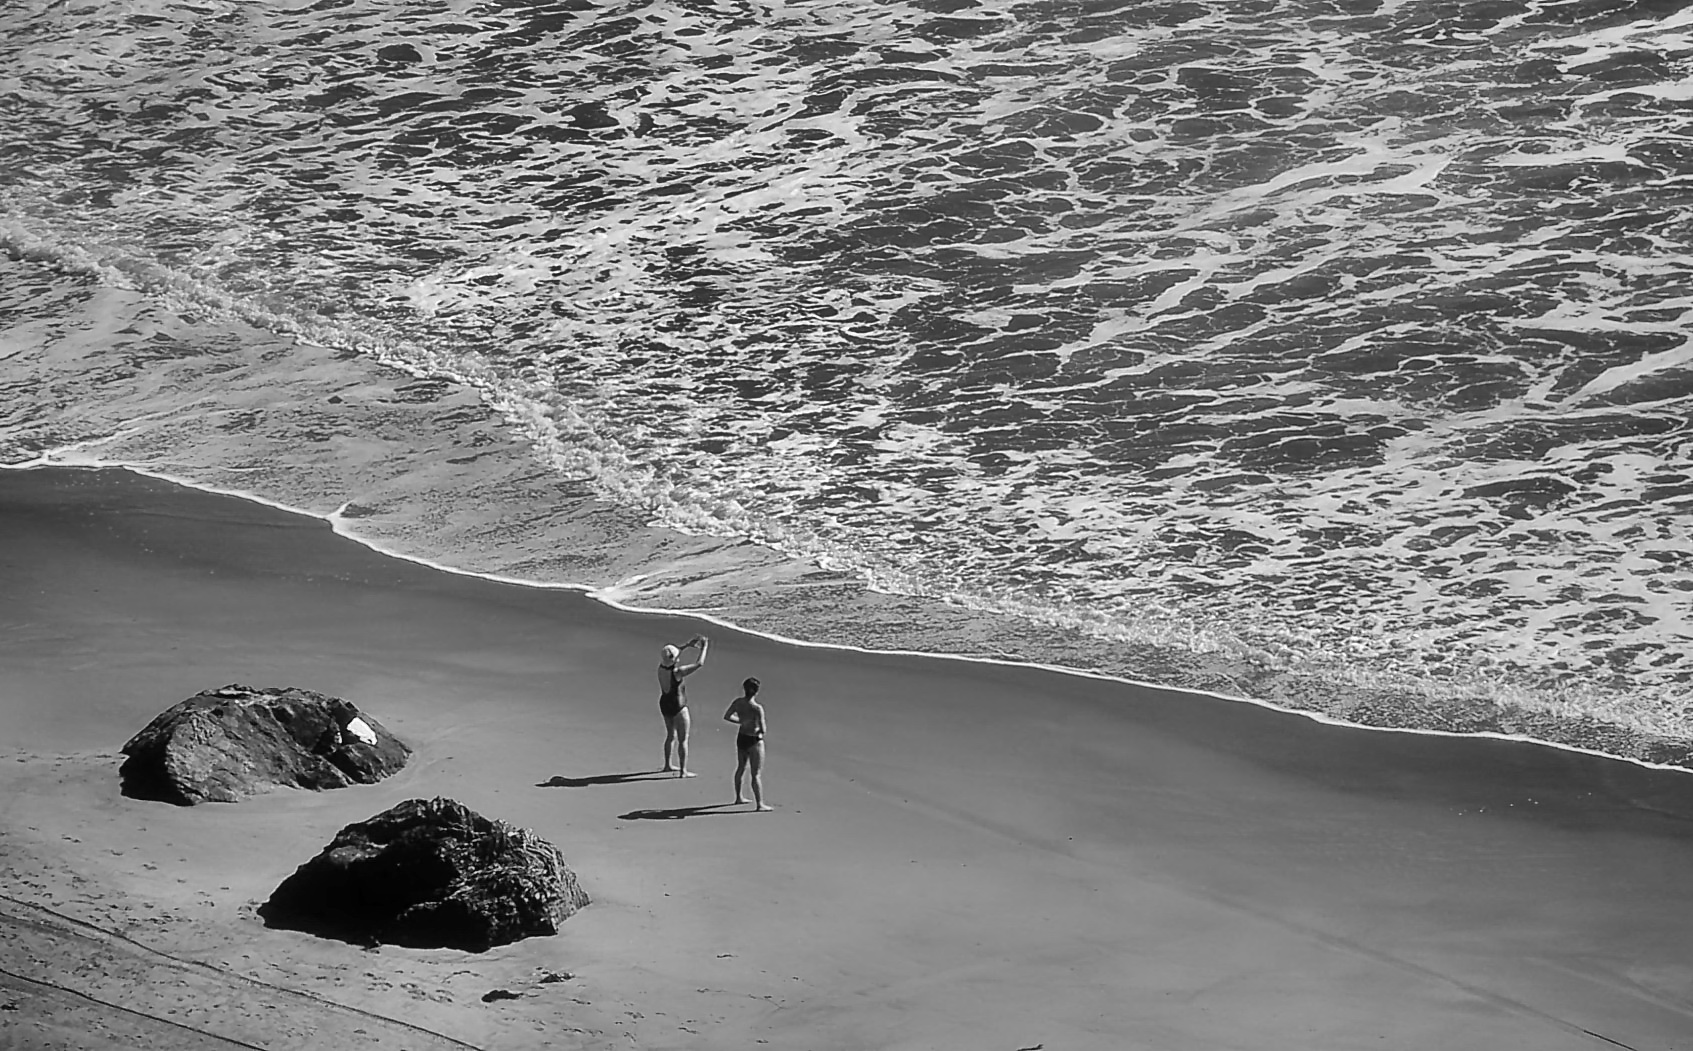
point(671, 701)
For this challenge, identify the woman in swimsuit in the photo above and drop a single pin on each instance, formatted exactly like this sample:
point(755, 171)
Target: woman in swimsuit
point(673, 702)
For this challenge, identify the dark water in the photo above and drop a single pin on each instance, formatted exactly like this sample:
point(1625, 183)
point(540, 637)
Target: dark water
point(1348, 334)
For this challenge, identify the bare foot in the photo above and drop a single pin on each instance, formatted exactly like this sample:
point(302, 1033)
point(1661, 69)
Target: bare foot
point(764, 806)
point(738, 801)
point(667, 769)
point(688, 773)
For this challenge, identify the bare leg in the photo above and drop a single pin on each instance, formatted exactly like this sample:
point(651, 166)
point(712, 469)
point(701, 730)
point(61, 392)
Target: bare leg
point(740, 768)
point(756, 754)
point(669, 739)
point(681, 723)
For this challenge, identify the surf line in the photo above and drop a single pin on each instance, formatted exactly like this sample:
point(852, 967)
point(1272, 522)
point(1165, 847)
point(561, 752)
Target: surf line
point(72, 457)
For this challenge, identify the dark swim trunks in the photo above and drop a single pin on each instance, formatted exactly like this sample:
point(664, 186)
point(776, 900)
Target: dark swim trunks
point(670, 701)
point(746, 741)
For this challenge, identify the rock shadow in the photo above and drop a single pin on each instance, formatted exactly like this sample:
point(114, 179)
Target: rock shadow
point(341, 929)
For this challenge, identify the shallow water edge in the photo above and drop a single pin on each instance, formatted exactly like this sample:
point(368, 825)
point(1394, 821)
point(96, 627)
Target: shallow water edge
point(1654, 752)
point(437, 471)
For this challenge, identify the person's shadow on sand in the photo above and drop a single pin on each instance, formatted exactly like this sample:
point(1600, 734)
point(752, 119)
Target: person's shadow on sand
point(560, 781)
point(678, 813)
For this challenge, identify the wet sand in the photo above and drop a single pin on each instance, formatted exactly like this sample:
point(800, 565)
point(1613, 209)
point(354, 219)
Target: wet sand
point(962, 856)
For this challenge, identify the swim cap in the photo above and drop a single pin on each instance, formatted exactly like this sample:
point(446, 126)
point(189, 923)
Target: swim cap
point(668, 655)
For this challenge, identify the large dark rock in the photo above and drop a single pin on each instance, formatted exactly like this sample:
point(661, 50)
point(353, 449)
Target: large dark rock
point(224, 744)
point(429, 873)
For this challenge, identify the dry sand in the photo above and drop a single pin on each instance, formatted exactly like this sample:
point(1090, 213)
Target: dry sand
point(962, 855)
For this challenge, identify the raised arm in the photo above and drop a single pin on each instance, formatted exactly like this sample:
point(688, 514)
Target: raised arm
point(688, 669)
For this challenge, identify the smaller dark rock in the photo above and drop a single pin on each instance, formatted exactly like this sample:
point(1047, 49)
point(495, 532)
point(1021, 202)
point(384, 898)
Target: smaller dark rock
point(429, 874)
point(224, 744)
point(500, 994)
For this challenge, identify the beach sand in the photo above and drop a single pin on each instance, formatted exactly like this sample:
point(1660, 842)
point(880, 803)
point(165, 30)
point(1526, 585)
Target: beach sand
point(963, 855)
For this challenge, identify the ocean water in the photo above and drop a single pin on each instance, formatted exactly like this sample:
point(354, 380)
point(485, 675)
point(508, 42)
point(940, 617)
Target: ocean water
point(1340, 344)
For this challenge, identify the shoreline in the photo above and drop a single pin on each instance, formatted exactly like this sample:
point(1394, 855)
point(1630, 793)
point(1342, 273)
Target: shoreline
point(963, 854)
point(57, 461)
point(442, 472)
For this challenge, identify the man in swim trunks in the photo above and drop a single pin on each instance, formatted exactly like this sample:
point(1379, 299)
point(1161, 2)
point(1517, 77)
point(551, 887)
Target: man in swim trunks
point(673, 702)
point(747, 714)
